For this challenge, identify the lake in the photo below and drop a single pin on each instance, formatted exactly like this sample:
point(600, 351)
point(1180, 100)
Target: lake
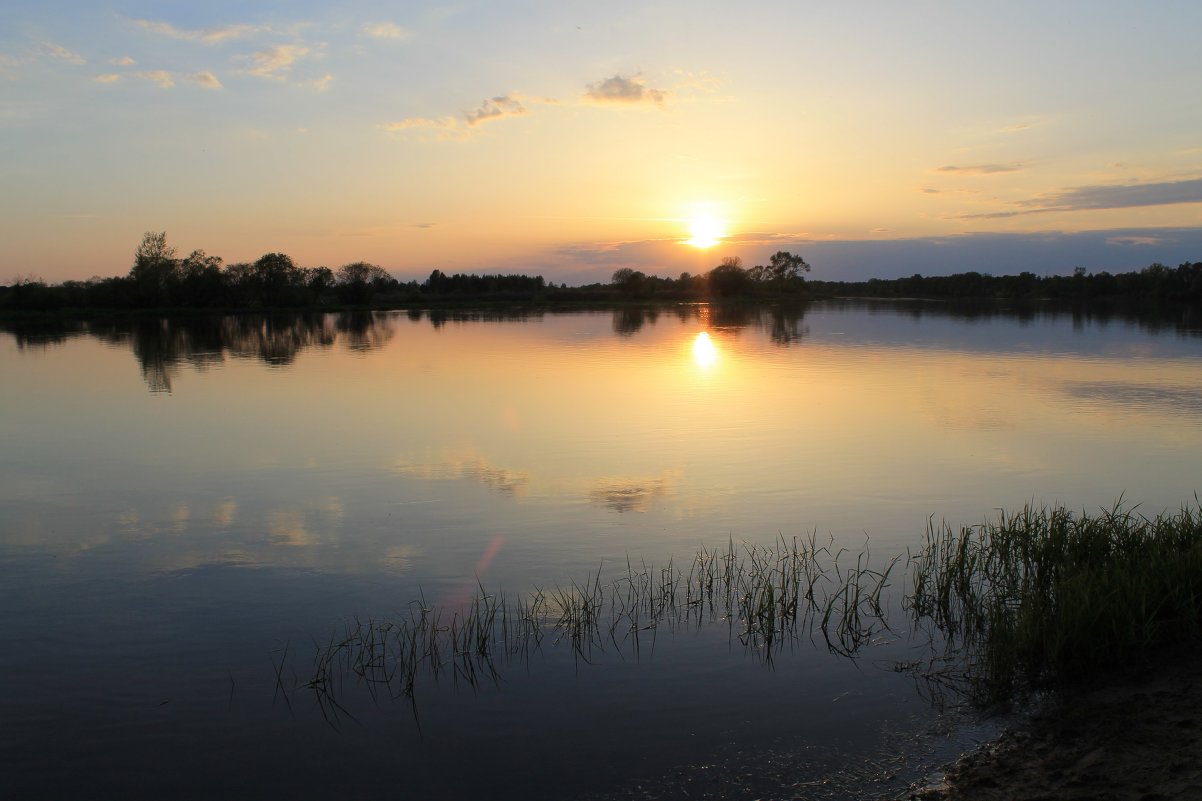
point(194, 514)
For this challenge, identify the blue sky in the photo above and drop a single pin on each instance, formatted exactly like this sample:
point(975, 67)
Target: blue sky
point(572, 139)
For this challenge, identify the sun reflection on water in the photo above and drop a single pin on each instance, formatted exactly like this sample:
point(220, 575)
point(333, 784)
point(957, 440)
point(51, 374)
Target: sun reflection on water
point(704, 352)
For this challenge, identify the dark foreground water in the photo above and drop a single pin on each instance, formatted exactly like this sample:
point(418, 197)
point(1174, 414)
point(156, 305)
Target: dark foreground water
point(192, 512)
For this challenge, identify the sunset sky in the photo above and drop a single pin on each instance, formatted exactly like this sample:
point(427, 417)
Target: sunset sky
point(572, 139)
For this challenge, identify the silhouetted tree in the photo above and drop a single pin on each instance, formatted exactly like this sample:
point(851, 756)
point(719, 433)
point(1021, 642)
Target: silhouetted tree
point(631, 283)
point(201, 281)
point(154, 272)
point(277, 279)
point(729, 279)
point(359, 281)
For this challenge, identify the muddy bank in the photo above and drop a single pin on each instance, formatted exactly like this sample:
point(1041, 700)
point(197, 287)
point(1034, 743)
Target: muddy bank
point(1136, 736)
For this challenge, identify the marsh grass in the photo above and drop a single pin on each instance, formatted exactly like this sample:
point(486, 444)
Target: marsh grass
point(1033, 599)
point(1044, 597)
point(767, 596)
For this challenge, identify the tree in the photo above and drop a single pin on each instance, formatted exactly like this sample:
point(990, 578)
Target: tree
point(783, 269)
point(201, 281)
point(631, 283)
point(359, 281)
point(154, 271)
point(277, 278)
point(729, 278)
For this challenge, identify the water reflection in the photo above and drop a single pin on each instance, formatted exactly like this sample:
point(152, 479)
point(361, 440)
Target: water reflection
point(630, 494)
point(704, 352)
point(163, 345)
point(465, 465)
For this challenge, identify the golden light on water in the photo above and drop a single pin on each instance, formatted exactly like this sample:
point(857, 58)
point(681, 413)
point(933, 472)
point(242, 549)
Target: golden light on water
point(704, 352)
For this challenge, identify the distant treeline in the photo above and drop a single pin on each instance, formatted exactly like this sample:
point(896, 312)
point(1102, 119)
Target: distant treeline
point(1154, 283)
point(159, 280)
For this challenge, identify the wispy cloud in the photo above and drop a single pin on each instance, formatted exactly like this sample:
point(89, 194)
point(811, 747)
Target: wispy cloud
point(108, 77)
point(385, 30)
point(206, 79)
point(624, 89)
point(276, 61)
point(62, 53)
point(1136, 241)
point(321, 84)
point(1109, 196)
point(1120, 196)
point(160, 78)
point(429, 129)
point(123, 61)
point(980, 169)
point(495, 108)
point(209, 36)
point(464, 126)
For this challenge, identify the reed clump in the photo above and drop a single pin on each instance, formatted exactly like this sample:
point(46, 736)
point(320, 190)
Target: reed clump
point(766, 595)
point(1044, 596)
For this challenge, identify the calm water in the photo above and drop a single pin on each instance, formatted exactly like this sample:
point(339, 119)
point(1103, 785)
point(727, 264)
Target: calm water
point(187, 507)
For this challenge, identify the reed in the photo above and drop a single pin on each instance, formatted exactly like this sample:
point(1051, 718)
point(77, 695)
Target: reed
point(766, 595)
point(1044, 596)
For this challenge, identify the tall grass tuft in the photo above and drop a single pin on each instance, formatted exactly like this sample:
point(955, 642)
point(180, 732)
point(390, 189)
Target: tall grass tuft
point(1044, 596)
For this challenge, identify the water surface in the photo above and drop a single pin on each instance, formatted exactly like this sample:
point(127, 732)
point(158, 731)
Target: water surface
point(181, 502)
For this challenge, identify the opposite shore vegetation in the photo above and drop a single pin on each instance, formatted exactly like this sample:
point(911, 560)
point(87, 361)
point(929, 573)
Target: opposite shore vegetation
point(161, 281)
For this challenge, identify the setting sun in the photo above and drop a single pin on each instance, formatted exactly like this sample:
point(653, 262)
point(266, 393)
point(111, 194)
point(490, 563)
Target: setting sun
point(705, 231)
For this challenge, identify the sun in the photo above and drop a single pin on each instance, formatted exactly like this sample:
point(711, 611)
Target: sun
point(705, 231)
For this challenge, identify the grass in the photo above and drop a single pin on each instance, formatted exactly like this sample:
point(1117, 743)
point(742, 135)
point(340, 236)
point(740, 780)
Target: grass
point(1038, 598)
point(1045, 597)
point(766, 596)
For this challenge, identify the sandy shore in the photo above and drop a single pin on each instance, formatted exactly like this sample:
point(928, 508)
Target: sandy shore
point(1136, 737)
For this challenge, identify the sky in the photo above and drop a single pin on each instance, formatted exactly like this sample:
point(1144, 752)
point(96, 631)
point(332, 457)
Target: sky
point(567, 139)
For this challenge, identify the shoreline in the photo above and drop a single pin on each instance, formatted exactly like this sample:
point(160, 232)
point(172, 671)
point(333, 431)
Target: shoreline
point(1134, 736)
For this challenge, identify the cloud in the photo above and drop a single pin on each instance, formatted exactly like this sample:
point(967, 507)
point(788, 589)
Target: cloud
point(206, 79)
point(62, 53)
point(385, 30)
point(1120, 196)
point(323, 83)
point(443, 129)
point(1111, 196)
point(1135, 241)
point(461, 128)
point(494, 109)
point(622, 89)
point(279, 59)
point(123, 61)
point(108, 77)
point(160, 78)
point(926, 190)
point(209, 36)
point(980, 169)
